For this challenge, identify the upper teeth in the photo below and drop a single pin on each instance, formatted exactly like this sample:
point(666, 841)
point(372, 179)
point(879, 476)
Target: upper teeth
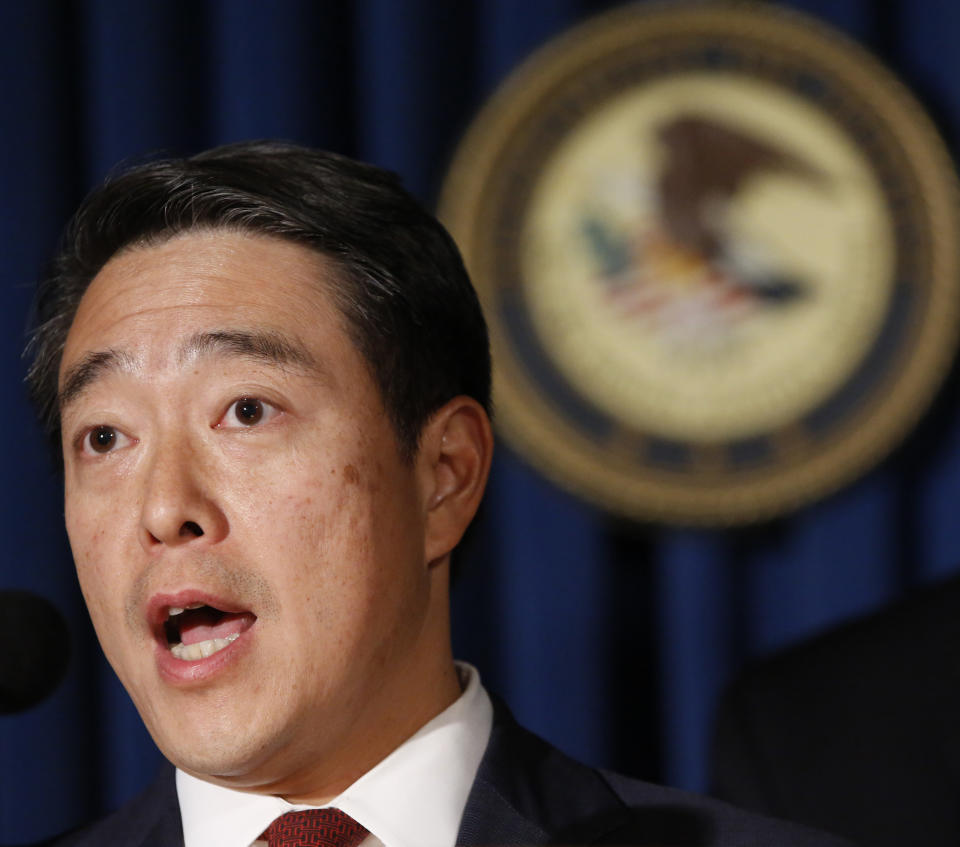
point(176, 610)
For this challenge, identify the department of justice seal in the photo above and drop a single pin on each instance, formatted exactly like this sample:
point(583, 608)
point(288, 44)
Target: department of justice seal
point(717, 249)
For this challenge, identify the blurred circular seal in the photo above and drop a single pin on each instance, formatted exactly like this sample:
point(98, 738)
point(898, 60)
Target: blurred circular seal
point(717, 248)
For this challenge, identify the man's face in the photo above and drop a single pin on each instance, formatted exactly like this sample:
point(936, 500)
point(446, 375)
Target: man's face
point(227, 454)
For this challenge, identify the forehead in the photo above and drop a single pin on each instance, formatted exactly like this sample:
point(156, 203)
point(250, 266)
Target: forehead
point(145, 300)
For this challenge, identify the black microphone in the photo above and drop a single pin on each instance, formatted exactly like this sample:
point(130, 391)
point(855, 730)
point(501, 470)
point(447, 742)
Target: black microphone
point(35, 651)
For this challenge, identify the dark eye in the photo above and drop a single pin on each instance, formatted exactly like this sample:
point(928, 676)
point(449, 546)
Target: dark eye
point(248, 410)
point(103, 439)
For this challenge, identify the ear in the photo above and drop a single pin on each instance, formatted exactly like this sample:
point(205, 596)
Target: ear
point(456, 447)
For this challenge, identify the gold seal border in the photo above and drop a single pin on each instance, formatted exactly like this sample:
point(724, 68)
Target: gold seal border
point(812, 470)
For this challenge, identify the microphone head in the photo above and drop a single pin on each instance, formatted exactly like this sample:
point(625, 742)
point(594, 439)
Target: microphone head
point(35, 653)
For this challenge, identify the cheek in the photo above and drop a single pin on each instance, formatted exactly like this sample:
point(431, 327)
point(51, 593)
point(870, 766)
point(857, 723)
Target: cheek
point(102, 566)
point(88, 543)
point(324, 509)
point(330, 537)
point(101, 597)
point(96, 510)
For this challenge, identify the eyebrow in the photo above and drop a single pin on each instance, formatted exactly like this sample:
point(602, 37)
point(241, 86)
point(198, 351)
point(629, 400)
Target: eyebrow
point(264, 346)
point(89, 369)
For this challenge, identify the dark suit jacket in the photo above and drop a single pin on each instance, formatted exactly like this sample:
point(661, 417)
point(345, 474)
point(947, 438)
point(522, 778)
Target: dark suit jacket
point(857, 731)
point(526, 792)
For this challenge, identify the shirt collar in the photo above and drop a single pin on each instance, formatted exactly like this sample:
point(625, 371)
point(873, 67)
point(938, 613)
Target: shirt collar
point(414, 797)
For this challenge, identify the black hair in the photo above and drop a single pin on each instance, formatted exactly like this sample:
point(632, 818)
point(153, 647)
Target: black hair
point(409, 306)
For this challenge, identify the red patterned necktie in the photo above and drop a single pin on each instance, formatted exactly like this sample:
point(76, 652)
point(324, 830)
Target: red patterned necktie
point(315, 828)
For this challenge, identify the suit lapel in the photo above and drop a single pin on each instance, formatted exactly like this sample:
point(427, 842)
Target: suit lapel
point(527, 792)
point(152, 819)
point(160, 825)
point(490, 819)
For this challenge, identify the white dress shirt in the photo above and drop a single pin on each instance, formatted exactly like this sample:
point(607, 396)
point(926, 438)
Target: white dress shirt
point(415, 797)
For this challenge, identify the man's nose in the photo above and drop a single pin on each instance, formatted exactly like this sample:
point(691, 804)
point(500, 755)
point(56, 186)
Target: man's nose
point(179, 504)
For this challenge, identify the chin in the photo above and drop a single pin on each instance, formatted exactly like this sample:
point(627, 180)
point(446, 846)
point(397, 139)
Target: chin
point(216, 746)
point(232, 761)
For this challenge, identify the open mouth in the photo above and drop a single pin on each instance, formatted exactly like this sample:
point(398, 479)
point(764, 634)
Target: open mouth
point(198, 631)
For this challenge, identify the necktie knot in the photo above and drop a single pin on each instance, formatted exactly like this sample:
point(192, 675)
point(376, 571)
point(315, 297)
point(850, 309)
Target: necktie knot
point(315, 828)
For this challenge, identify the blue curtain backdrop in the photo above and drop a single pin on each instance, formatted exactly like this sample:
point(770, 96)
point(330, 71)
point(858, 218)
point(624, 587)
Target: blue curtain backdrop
point(611, 640)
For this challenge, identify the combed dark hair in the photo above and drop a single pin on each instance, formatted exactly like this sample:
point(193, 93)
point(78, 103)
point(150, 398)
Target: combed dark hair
point(409, 304)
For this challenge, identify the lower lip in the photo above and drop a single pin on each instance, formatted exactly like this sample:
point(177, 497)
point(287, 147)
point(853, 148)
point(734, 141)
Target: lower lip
point(187, 671)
